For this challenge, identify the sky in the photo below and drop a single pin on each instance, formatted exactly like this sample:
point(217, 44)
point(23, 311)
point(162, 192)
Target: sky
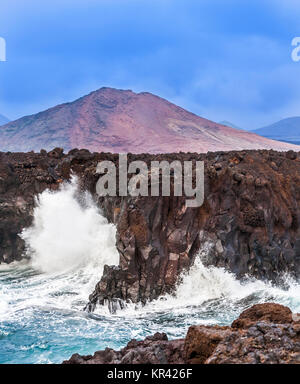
point(221, 59)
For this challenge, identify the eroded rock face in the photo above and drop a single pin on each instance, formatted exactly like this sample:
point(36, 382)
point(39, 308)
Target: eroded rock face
point(249, 222)
point(269, 335)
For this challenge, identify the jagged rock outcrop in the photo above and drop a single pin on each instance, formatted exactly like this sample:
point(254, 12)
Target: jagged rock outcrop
point(268, 334)
point(155, 349)
point(249, 222)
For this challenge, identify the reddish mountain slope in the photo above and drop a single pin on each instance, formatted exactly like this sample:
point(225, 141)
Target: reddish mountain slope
point(114, 120)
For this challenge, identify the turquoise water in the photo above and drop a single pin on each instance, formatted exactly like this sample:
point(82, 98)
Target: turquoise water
point(42, 321)
point(41, 301)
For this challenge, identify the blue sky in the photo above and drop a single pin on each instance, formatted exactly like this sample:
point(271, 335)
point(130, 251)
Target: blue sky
point(224, 60)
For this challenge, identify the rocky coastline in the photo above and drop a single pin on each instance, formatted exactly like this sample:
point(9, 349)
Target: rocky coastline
point(263, 334)
point(249, 222)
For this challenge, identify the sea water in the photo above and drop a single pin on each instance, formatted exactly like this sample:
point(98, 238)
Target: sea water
point(42, 300)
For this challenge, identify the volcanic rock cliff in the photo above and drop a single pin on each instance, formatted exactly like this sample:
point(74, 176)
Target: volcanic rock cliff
point(113, 120)
point(249, 222)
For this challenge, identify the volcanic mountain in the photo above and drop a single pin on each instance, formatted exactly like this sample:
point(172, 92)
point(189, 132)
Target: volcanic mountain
point(285, 130)
point(114, 120)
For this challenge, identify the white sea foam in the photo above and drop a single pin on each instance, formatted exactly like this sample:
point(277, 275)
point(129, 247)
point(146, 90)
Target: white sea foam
point(68, 233)
point(69, 243)
point(212, 288)
point(204, 284)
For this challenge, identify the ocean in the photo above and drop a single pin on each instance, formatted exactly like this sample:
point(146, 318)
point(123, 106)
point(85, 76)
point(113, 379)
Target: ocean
point(42, 319)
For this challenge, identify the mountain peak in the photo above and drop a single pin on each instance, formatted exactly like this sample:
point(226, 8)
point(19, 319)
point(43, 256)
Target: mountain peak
point(115, 120)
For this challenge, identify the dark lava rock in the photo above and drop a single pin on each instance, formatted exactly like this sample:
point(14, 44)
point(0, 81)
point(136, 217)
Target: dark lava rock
point(249, 223)
point(155, 349)
point(291, 155)
point(273, 313)
point(266, 334)
point(56, 153)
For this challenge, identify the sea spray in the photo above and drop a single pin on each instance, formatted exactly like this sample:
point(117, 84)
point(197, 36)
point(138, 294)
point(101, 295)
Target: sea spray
point(205, 284)
point(68, 233)
point(43, 321)
point(214, 289)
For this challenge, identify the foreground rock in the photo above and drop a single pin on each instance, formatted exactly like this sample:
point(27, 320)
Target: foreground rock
point(263, 334)
point(155, 349)
point(249, 222)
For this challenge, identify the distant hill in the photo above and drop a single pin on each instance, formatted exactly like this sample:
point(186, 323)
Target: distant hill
point(287, 130)
point(3, 120)
point(113, 120)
